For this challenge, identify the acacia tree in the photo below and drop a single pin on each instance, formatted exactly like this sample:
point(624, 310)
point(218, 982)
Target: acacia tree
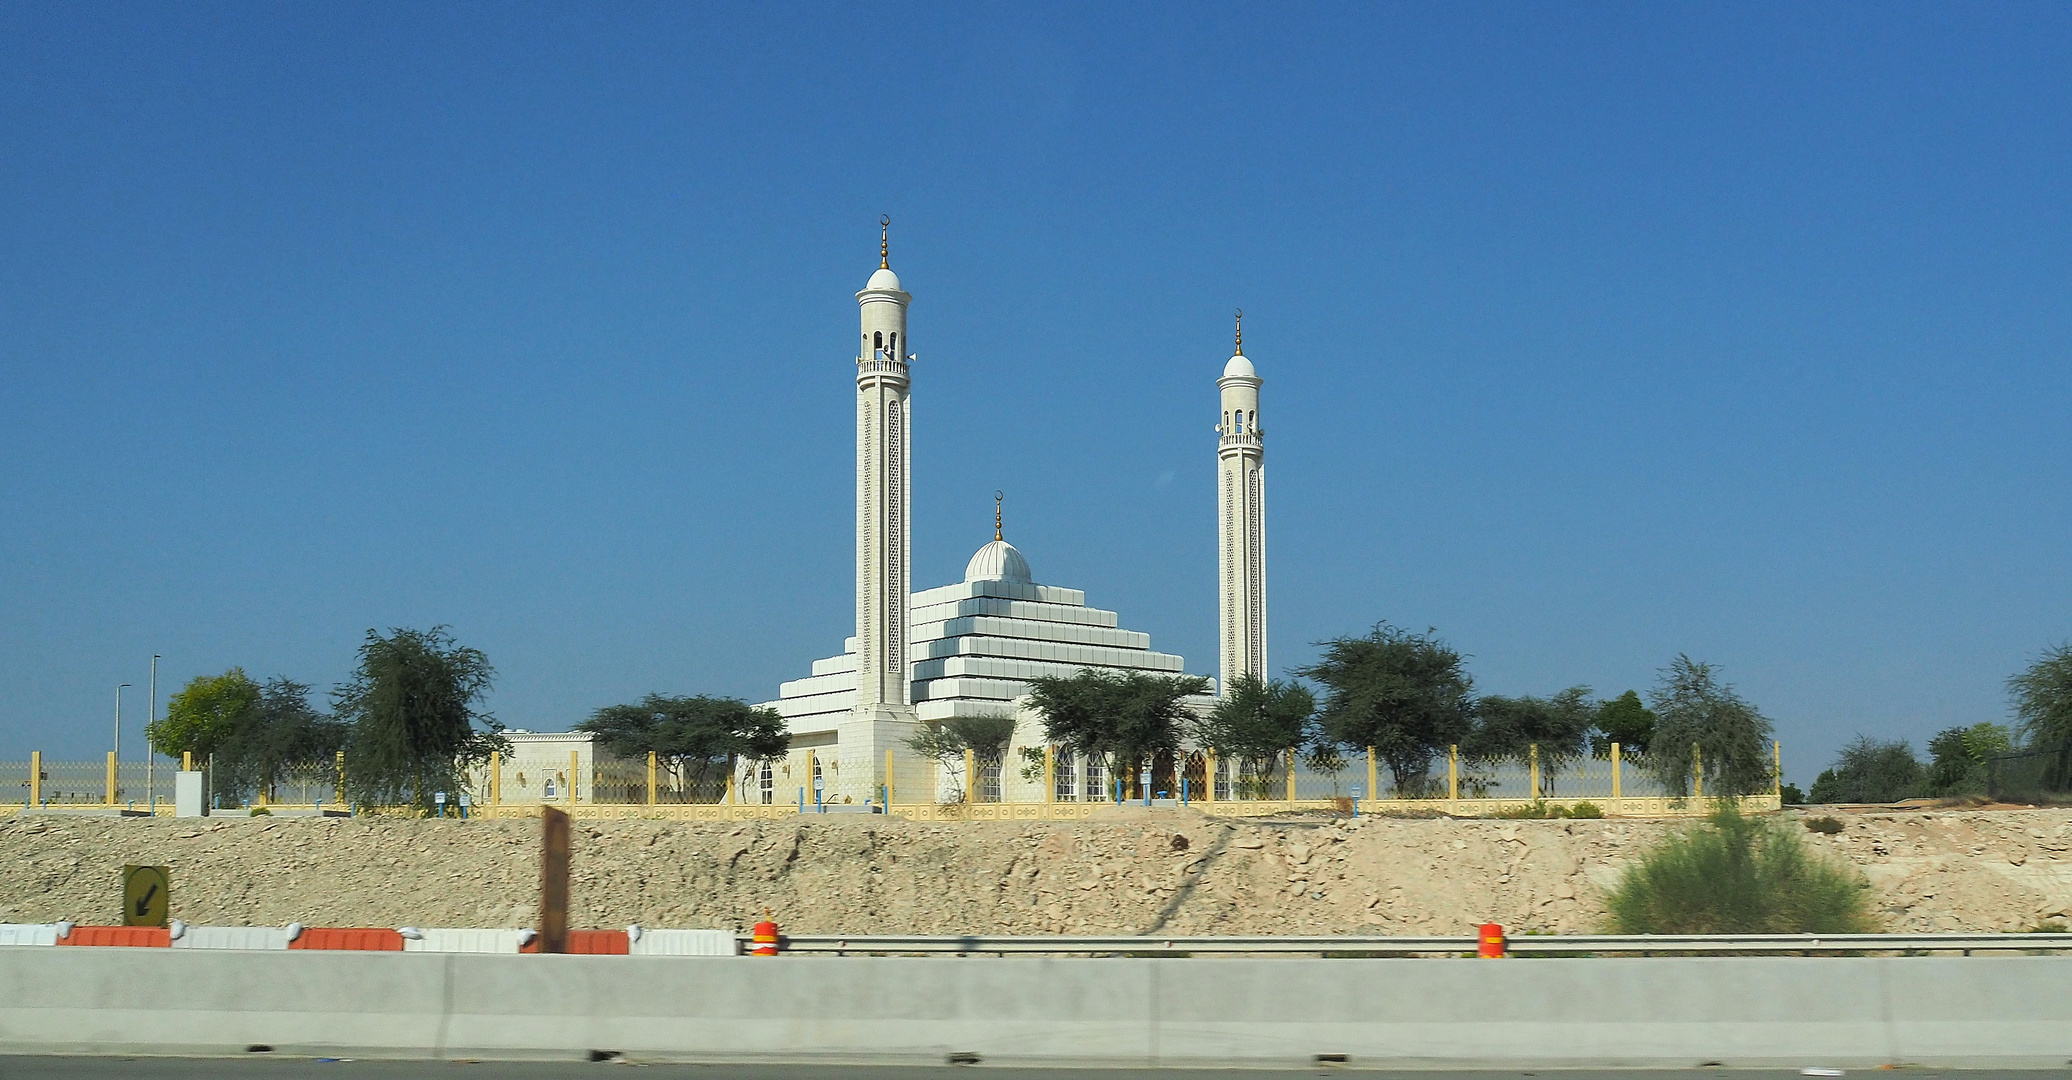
point(209, 710)
point(1626, 721)
point(1406, 695)
point(698, 739)
point(1870, 771)
point(986, 737)
point(1126, 717)
point(1257, 722)
point(281, 733)
point(2042, 697)
point(1513, 729)
point(1695, 709)
point(414, 723)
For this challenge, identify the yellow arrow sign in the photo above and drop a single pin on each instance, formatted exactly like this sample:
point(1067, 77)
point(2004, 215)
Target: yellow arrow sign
point(146, 895)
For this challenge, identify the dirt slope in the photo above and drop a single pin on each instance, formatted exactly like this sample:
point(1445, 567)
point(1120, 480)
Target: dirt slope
point(1161, 872)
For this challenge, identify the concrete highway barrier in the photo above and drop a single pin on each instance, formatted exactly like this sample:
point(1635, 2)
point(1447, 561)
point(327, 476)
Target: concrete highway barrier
point(1845, 1012)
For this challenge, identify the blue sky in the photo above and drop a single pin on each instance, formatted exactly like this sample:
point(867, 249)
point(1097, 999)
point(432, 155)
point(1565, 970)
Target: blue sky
point(1592, 334)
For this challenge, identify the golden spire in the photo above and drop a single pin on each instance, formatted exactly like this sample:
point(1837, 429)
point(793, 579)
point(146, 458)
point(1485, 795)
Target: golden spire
point(996, 517)
point(885, 242)
point(1241, 331)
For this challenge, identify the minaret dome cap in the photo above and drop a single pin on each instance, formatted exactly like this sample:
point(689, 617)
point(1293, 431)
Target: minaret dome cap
point(998, 561)
point(1239, 367)
point(883, 279)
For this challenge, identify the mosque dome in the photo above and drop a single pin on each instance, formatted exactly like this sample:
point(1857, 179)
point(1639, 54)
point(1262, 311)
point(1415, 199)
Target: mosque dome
point(1240, 367)
point(998, 561)
point(884, 279)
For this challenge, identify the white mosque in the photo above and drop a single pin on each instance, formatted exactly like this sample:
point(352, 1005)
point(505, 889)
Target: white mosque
point(972, 648)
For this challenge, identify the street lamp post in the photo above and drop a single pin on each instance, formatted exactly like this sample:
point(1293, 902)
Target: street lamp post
point(151, 718)
point(119, 687)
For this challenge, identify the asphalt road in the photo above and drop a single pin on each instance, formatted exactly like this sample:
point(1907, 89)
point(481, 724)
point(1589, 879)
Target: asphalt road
point(269, 1068)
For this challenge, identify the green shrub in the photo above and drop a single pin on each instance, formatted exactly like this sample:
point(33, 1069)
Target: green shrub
point(260, 811)
point(2048, 926)
point(1826, 825)
point(1586, 810)
point(1735, 875)
point(1530, 811)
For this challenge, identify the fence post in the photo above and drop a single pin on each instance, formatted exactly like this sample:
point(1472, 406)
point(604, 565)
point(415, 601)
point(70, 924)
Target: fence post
point(1050, 773)
point(1615, 771)
point(339, 763)
point(1208, 775)
point(575, 769)
point(111, 778)
point(1777, 772)
point(970, 775)
point(1697, 772)
point(890, 788)
point(1453, 773)
point(186, 761)
point(651, 778)
point(1373, 776)
point(35, 778)
point(1535, 756)
point(1291, 776)
point(496, 777)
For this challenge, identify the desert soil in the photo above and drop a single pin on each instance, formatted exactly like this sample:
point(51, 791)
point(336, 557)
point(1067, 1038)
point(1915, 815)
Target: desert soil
point(1171, 872)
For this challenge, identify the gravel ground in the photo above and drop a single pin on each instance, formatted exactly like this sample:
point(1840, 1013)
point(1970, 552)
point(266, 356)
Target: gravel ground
point(1175, 872)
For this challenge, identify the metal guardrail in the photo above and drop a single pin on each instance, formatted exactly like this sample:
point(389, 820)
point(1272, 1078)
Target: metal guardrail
point(1536, 945)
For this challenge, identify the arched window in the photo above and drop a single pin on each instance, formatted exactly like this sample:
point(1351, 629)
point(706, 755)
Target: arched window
point(878, 345)
point(1255, 421)
point(1226, 422)
point(895, 345)
point(768, 783)
point(1240, 421)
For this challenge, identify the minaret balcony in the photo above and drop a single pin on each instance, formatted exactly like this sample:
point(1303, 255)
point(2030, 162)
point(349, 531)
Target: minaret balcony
point(1243, 440)
point(881, 367)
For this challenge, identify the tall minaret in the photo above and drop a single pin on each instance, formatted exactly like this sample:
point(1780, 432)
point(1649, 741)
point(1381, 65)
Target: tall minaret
point(884, 538)
point(1241, 519)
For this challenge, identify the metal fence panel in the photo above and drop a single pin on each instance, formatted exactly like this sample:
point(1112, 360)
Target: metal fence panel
point(2030, 776)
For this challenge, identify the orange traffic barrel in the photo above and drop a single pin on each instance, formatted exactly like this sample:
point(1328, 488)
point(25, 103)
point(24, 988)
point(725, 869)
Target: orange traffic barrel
point(765, 938)
point(1490, 942)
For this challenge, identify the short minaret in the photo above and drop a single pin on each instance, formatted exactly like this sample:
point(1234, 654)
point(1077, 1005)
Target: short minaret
point(884, 538)
point(1241, 519)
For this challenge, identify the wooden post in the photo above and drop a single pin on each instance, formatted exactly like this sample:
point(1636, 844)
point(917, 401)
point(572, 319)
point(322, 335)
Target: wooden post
point(890, 788)
point(1208, 775)
point(1050, 773)
point(111, 778)
point(496, 777)
point(574, 769)
point(1453, 773)
point(1373, 776)
point(1615, 770)
point(1535, 756)
point(554, 859)
point(1291, 776)
point(651, 777)
point(35, 778)
point(970, 775)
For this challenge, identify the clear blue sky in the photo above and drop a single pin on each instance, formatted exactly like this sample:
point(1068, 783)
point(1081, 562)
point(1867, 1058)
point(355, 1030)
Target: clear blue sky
point(1592, 333)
